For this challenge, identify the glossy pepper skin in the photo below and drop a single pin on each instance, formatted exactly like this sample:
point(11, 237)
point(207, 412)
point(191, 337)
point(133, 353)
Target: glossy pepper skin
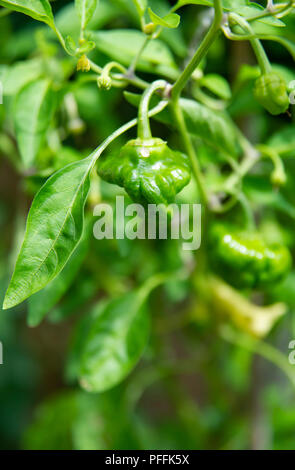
point(244, 260)
point(148, 170)
point(271, 92)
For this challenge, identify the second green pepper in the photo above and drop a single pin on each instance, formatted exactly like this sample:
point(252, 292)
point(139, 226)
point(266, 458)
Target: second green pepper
point(245, 260)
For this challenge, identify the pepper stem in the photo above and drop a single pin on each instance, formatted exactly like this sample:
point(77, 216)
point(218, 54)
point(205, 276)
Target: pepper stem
point(257, 47)
point(144, 129)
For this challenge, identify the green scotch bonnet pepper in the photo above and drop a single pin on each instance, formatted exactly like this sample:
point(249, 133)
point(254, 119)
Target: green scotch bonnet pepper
point(149, 171)
point(244, 259)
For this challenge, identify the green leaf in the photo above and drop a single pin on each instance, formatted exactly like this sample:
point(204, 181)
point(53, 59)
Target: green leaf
point(217, 85)
point(54, 228)
point(244, 8)
point(260, 192)
point(169, 21)
point(19, 74)
point(115, 342)
point(182, 3)
point(86, 47)
point(286, 43)
point(68, 23)
point(70, 45)
point(215, 128)
point(51, 427)
point(246, 73)
point(38, 9)
point(32, 114)
point(76, 298)
point(42, 302)
point(75, 420)
point(283, 141)
point(140, 6)
point(85, 10)
point(123, 45)
point(173, 37)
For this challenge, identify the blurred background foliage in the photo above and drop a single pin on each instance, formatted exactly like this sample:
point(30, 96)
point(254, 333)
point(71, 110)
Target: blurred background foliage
point(198, 386)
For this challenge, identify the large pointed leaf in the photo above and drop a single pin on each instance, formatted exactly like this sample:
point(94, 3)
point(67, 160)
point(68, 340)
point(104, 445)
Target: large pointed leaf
point(54, 228)
point(38, 9)
point(32, 115)
point(114, 342)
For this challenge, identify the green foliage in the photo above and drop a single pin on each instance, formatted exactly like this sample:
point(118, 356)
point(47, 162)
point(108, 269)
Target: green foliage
point(50, 241)
point(19, 75)
point(33, 109)
point(140, 343)
point(141, 6)
point(245, 8)
point(42, 302)
point(85, 10)
point(38, 9)
point(169, 21)
point(123, 45)
point(79, 421)
point(114, 343)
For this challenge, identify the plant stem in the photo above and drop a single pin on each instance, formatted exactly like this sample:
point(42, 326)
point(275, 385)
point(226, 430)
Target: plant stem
point(249, 216)
point(244, 168)
point(96, 154)
point(180, 84)
point(200, 53)
point(127, 77)
point(144, 130)
point(60, 38)
point(261, 56)
point(278, 176)
point(257, 47)
point(95, 67)
point(278, 9)
point(113, 65)
point(133, 80)
point(259, 347)
point(135, 61)
point(189, 148)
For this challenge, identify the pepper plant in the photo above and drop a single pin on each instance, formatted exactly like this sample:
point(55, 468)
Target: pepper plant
point(160, 102)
